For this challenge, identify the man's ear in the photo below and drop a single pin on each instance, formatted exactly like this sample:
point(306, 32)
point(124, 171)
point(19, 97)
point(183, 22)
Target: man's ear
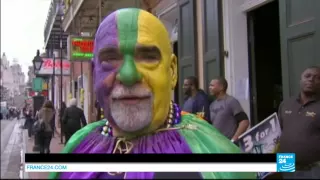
point(174, 71)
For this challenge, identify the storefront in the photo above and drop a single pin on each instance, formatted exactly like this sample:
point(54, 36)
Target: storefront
point(196, 34)
point(269, 43)
point(216, 38)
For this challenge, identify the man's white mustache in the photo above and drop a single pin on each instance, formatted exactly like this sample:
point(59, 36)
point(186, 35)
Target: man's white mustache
point(135, 91)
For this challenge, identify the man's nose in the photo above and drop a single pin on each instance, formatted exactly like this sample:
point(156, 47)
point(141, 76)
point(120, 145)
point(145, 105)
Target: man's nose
point(128, 73)
point(312, 78)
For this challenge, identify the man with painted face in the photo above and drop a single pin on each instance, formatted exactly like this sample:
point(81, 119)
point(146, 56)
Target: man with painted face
point(135, 72)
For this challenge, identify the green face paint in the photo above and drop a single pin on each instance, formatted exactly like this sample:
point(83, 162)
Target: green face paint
point(127, 21)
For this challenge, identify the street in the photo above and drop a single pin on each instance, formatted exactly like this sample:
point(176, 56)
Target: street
point(13, 140)
point(11, 144)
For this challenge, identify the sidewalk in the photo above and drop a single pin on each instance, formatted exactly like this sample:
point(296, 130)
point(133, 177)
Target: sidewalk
point(55, 147)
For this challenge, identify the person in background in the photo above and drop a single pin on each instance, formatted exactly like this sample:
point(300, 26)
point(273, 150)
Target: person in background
point(24, 112)
point(300, 122)
point(29, 122)
point(61, 112)
point(53, 121)
point(73, 119)
point(11, 114)
point(45, 117)
point(196, 100)
point(226, 112)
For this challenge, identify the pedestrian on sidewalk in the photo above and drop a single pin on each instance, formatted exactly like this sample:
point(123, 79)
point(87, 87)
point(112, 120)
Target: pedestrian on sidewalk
point(62, 109)
point(45, 130)
point(29, 122)
point(53, 122)
point(73, 118)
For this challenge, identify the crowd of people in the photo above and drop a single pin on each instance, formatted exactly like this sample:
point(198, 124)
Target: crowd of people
point(9, 113)
point(298, 118)
point(224, 112)
point(42, 124)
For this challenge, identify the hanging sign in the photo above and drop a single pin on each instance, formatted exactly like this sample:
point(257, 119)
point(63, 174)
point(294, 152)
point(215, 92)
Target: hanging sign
point(49, 64)
point(37, 84)
point(262, 139)
point(80, 48)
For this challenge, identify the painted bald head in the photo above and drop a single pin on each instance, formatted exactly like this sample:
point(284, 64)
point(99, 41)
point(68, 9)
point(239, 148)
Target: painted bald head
point(134, 70)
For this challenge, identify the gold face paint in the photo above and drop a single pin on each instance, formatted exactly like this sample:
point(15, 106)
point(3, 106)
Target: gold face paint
point(160, 76)
point(145, 57)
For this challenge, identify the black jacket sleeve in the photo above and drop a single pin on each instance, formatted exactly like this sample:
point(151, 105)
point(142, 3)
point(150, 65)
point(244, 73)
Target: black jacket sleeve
point(83, 118)
point(65, 116)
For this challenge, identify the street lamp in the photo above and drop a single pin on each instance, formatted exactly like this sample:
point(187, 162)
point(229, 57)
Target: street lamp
point(37, 62)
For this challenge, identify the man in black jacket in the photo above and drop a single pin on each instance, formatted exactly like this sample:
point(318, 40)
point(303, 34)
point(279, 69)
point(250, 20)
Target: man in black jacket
point(196, 101)
point(73, 119)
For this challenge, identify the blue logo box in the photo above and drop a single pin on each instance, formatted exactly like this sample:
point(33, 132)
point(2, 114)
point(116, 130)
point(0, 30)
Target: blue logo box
point(286, 162)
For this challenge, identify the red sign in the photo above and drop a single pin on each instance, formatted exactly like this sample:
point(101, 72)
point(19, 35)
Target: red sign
point(31, 93)
point(44, 93)
point(84, 45)
point(80, 48)
point(48, 65)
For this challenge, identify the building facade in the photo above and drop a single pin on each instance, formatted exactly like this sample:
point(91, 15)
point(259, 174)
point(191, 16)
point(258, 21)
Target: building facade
point(12, 82)
point(6, 75)
point(260, 46)
point(18, 76)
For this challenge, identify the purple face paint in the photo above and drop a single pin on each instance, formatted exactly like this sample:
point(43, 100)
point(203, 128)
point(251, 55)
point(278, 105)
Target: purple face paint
point(106, 36)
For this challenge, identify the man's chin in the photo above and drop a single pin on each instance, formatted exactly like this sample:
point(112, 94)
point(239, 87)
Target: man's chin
point(131, 117)
point(139, 126)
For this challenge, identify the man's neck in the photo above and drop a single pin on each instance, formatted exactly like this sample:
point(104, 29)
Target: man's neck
point(306, 97)
point(194, 93)
point(221, 95)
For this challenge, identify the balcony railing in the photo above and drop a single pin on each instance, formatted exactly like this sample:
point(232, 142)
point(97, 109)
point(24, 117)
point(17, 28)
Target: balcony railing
point(70, 13)
point(53, 11)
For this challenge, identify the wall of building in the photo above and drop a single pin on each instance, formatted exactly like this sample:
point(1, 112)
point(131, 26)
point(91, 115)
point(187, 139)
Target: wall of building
point(7, 77)
point(236, 64)
point(235, 42)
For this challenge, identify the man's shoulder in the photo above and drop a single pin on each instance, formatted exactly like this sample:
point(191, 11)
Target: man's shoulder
point(231, 99)
point(79, 109)
point(202, 94)
point(81, 134)
point(288, 101)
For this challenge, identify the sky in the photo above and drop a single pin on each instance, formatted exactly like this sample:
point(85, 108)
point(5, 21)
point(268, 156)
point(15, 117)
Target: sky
point(22, 29)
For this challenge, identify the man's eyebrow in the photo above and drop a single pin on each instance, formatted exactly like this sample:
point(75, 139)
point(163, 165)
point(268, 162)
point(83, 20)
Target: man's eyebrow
point(108, 50)
point(148, 49)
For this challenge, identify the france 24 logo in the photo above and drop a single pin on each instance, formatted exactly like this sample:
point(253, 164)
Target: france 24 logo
point(286, 162)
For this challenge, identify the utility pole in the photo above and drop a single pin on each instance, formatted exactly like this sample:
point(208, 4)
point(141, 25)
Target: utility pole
point(61, 64)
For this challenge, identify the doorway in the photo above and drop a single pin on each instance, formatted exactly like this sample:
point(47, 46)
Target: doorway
point(265, 73)
point(176, 89)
